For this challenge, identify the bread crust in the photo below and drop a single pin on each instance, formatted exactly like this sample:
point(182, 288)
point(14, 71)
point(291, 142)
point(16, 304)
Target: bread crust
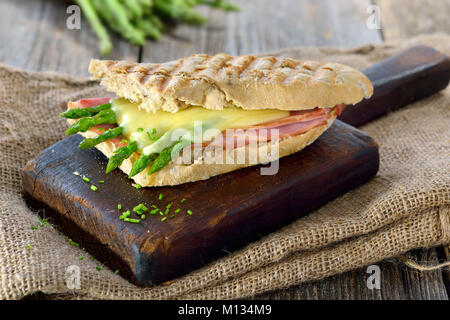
point(248, 82)
point(174, 174)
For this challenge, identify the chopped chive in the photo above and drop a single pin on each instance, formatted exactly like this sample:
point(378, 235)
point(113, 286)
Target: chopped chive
point(116, 272)
point(169, 206)
point(189, 212)
point(81, 257)
point(132, 220)
point(166, 211)
point(140, 208)
point(94, 188)
point(121, 217)
point(178, 210)
point(73, 243)
point(140, 130)
point(182, 200)
point(164, 219)
point(34, 228)
point(101, 181)
point(98, 268)
point(27, 247)
point(160, 196)
point(153, 206)
point(151, 136)
point(92, 258)
point(161, 213)
point(119, 207)
point(137, 186)
point(143, 217)
point(86, 179)
point(154, 211)
point(126, 213)
point(172, 216)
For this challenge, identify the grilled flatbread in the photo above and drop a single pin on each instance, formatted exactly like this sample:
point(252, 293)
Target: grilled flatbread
point(247, 82)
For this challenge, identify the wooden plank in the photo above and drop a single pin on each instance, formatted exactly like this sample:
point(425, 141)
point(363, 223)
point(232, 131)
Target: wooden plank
point(445, 271)
point(403, 19)
point(265, 25)
point(398, 282)
point(40, 40)
point(421, 69)
point(229, 210)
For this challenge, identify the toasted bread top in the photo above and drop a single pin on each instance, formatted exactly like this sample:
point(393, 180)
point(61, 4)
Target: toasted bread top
point(219, 81)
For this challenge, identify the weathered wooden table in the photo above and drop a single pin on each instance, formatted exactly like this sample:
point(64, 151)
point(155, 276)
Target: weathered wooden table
point(33, 36)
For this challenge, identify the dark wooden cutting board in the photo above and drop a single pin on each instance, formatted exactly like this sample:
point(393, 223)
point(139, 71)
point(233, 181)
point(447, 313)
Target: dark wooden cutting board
point(228, 211)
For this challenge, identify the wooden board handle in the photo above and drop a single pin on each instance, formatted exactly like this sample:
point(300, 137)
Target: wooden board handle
point(413, 74)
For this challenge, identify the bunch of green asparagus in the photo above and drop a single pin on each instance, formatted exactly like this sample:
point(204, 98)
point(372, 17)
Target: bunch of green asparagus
point(103, 114)
point(136, 20)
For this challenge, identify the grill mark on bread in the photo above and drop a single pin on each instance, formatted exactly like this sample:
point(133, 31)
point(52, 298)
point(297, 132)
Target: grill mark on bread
point(259, 68)
point(144, 68)
point(264, 68)
point(249, 82)
point(241, 64)
point(121, 67)
point(219, 65)
point(172, 77)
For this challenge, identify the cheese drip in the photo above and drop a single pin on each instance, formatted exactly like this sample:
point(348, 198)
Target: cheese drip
point(156, 131)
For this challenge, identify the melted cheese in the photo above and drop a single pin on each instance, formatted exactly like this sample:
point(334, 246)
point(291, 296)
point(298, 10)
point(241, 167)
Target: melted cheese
point(155, 131)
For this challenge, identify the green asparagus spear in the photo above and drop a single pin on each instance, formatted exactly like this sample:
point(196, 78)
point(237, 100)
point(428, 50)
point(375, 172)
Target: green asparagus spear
point(120, 155)
point(150, 30)
point(177, 9)
point(93, 19)
point(166, 155)
point(134, 7)
point(84, 124)
point(156, 22)
point(142, 163)
point(220, 4)
point(78, 113)
point(122, 24)
point(192, 3)
point(109, 134)
point(147, 6)
point(104, 14)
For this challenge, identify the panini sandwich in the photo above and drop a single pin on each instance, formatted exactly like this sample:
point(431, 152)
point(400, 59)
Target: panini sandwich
point(152, 123)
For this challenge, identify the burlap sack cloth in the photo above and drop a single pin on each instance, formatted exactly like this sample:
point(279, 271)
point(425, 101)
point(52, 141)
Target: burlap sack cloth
point(405, 206)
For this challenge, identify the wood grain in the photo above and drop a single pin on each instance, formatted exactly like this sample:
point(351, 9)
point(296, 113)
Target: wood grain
point(411, 75)
point(402, 19)
point(398, 282)
point(264, 25)
point(41, 41)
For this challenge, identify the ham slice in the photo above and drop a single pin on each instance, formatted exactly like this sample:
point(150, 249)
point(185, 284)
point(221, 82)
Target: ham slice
point(244, 136)
point(89, 102)
point(297, 116)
